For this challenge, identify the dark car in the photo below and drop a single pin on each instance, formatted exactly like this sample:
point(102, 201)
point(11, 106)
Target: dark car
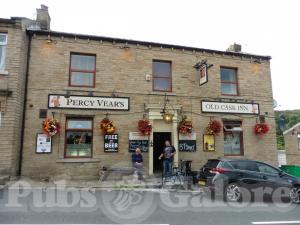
point(235, 177)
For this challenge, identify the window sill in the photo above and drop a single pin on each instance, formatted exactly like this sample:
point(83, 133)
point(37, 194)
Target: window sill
point(2, 72)
point(162, 93)
point(77, 160)
point(85, 89)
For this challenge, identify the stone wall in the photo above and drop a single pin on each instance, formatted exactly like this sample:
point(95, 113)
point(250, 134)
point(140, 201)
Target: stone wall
point(12, 80)
point(122, 71)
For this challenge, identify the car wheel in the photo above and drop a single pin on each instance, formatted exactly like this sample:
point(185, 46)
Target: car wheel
point(233, 192)
point(295, 195)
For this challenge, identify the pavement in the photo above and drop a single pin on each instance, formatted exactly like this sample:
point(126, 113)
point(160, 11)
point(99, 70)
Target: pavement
point(127, 182)
point(80, 206)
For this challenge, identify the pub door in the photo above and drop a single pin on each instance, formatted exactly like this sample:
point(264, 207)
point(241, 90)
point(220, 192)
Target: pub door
point(159, 139)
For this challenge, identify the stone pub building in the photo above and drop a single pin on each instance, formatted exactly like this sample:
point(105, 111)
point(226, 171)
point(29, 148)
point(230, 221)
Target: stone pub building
point(81, 80)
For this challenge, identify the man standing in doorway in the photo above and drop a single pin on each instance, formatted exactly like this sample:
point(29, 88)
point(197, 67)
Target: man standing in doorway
point(168, 154)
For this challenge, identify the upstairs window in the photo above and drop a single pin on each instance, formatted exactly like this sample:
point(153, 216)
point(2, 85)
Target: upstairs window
point(162, 76)
point(82, 70)
point(229, 83)
point(3, 43)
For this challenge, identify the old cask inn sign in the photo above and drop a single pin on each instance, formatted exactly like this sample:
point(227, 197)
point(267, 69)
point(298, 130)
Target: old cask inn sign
point(88, 102)
point(230, 107)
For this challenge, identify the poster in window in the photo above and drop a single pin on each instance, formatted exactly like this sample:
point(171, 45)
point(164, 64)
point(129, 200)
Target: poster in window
point(208, 142)
point(43, 144)
point(203, 74)
point(111, 143)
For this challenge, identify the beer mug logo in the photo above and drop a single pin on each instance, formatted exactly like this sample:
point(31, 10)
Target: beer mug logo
point(126, 199)
point(127, 206)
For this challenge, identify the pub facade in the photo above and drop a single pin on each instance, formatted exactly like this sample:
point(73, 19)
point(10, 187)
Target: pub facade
point(92, 100)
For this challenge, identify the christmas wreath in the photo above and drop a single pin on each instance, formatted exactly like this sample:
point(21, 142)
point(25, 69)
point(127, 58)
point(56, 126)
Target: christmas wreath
point(213, 127)
point(51, 127)
point(144, 127)
point(261, 128)
point(107, 126)
point(185, 127)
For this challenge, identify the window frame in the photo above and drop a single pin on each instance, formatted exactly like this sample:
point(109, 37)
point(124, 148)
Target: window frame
point(228, 82)
point(162, 78)
point(5, 45)
point(83, 130)
point(241, 136)
point(82, 71)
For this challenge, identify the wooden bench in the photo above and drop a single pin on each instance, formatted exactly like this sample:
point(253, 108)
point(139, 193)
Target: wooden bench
point(106, 171)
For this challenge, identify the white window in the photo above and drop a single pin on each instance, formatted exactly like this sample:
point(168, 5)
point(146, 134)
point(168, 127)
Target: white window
point(3, 43)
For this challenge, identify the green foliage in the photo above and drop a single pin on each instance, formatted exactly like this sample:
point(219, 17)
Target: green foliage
point(292, 118)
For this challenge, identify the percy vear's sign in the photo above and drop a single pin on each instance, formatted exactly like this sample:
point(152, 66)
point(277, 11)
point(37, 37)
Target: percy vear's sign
point(229, 107)
point(88, 102)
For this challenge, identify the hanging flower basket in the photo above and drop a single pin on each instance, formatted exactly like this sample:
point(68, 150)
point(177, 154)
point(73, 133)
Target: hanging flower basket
point(144, 127)
point(185, 127)
point(261, 128)
point(107, 126)
point(51, 127)
point(213, 127)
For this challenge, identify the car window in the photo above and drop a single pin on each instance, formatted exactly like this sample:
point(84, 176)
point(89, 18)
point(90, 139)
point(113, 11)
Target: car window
point(212, 163)
point(266, 168)
point(225, 165)
point(244, 165)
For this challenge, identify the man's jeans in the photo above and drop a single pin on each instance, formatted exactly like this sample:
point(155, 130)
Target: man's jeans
point(167, 167)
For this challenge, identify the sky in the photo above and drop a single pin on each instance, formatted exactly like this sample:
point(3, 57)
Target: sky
point(265, 27)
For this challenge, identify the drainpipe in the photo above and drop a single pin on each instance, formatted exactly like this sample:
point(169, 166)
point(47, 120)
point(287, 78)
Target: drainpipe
point(19, 173)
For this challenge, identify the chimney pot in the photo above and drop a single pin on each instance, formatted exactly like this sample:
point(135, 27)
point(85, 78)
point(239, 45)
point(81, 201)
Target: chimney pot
point(234, 48)
point(43, 17)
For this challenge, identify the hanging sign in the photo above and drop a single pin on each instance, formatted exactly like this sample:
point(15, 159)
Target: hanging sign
point(230, 107)
point(88, 102)
point(187, 143)
point(43, 143)
point(136, 140)
point(111, 143)
point(203, 74)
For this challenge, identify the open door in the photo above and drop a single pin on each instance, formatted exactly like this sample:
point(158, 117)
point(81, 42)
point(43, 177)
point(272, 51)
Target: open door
point(159, 139)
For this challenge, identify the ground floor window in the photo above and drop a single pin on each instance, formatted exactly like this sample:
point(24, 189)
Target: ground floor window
point(233, 138)
point(79, 137)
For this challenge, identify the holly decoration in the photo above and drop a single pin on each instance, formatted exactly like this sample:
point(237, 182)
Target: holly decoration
point(213, 127)
point(261, 128)
point(51, 127)
point(107, 126)
point(185, 127)
point(144, 127)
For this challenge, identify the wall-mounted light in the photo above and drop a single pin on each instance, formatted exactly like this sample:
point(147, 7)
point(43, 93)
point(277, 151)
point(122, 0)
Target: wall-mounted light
point(91, 93)
point(67, 95)
point(168, 117)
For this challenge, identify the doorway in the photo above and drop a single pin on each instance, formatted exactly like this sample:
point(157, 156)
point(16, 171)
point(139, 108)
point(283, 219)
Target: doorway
point(159, 139)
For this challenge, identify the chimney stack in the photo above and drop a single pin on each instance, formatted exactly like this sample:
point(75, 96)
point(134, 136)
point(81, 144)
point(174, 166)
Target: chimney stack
point(234, 48)
point(43, 18)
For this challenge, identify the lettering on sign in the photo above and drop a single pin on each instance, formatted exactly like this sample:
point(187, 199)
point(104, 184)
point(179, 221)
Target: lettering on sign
point(230, 107)
point(88, 102)
point(111, 143)
point(187, 145)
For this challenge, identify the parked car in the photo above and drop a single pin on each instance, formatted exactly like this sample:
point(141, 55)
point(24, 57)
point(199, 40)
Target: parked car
point(231, 176)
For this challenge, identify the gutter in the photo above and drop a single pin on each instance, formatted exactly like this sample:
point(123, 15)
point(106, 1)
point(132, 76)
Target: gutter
point(144, 43)
point(19, 172)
